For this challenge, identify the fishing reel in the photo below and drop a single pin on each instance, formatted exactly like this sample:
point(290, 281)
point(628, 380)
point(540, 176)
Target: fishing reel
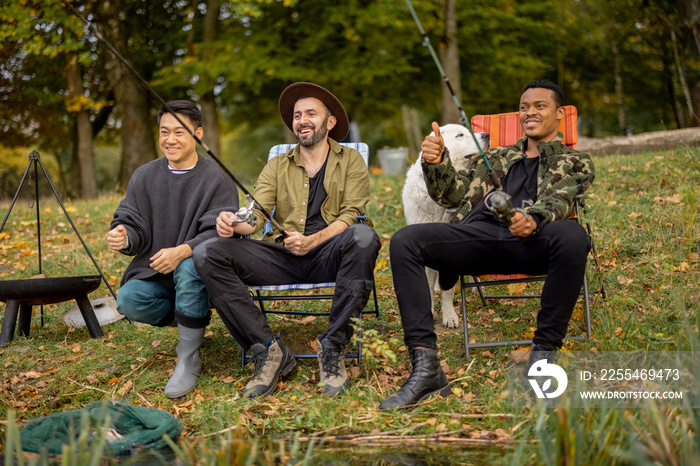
point(245, 214)
point(500, 204)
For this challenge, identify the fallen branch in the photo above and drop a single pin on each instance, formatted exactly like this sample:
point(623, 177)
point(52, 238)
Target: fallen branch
point(87, 387)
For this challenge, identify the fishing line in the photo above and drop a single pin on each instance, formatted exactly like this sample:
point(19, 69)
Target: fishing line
point(90, 27)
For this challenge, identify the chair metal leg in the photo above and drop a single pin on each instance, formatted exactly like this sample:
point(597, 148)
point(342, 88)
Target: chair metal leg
point(464, 315)
point(480, 289)
point(586, 302)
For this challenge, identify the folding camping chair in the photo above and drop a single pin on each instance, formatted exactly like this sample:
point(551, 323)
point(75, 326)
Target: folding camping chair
point(505, 130)
point(281, 292)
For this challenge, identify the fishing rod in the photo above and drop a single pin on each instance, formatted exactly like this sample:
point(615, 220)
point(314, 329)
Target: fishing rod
point(497, 201)
point(246, 213)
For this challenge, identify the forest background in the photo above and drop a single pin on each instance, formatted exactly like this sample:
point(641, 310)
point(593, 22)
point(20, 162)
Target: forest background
point(629, 66)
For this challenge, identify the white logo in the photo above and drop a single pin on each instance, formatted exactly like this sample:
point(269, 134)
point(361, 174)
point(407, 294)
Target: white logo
point(544, 369)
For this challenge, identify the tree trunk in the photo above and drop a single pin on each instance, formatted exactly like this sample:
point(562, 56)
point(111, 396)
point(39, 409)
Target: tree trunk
point(619, 90)
point(137, 137)
point(411, 126)
point(210, 118)
point(449, 57)
point(82, 145)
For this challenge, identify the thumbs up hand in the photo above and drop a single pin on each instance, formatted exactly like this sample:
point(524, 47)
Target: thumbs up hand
point(433, 146)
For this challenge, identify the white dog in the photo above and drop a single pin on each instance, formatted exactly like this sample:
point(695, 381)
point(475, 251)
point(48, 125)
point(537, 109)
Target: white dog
point(420, 208)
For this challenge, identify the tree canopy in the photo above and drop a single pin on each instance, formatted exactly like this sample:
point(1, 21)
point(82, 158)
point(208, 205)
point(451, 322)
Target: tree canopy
point(629, 66)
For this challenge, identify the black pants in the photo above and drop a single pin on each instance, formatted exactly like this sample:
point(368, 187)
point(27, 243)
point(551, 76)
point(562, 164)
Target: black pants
point(227, 265)
point(558, 250)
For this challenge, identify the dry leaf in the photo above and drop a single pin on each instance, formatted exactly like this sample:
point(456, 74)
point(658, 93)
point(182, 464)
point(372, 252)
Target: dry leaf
point(156, 343)
point(634, 215)
point(618, 331)
point(75, 347)
point(624, 280)
point(519, 355)
point(126, 388)
point(516, 288)
point(683, 267)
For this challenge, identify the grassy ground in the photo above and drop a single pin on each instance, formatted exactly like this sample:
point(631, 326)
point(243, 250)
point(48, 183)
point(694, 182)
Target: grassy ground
point(644, 210)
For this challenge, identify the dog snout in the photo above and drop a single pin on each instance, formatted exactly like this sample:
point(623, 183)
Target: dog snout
point(485, 139)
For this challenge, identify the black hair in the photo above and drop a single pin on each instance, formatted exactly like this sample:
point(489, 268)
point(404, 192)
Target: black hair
point(184, 108)
point(544, 84)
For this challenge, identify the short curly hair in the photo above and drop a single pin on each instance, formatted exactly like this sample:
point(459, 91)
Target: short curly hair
point(544, 84)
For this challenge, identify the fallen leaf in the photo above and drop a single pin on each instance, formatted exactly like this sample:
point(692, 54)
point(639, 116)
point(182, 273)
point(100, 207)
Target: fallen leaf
point(519, 355)
point(516, 288)
point(683, 267)
point(156, 343)
point(125, 389)
point(634, 215)
point(624, 280)
point(618, 331)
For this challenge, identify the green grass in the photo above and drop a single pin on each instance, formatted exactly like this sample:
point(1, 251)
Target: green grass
point(644, 211)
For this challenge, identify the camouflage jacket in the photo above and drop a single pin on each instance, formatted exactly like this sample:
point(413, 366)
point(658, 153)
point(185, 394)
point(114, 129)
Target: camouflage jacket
point(563, 173)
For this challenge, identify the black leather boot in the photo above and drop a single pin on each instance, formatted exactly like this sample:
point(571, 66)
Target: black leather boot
point(537, 352)
point(426, 379)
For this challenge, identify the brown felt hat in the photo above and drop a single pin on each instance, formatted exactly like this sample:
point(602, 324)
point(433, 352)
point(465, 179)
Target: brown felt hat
point(302, 90)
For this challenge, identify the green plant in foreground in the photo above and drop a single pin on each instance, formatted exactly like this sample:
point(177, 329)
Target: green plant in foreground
point(376, 351)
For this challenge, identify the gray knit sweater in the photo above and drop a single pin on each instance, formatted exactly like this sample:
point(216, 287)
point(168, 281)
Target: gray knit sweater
point(162, 209)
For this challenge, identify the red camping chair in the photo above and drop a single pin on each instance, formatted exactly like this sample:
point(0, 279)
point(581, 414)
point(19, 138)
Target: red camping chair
point(505, 130)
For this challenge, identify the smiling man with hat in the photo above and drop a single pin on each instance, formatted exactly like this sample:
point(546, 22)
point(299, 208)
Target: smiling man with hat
point(318, 190)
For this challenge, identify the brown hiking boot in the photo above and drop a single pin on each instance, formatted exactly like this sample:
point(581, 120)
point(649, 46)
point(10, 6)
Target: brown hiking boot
point(331, 361)
point(270, 364)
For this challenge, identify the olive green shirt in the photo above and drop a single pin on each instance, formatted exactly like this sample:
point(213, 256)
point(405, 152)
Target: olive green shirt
point(284, 185)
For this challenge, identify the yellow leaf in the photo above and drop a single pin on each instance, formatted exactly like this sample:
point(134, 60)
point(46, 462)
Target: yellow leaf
point(76, 347)
point(618, 331)
point(683, 267)
point(431, 421)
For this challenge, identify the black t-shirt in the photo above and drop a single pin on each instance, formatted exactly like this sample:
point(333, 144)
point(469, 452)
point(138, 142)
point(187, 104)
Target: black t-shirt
point(520, 183)
point(317, 194)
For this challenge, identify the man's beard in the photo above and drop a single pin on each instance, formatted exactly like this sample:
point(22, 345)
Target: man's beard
point(318, 135)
